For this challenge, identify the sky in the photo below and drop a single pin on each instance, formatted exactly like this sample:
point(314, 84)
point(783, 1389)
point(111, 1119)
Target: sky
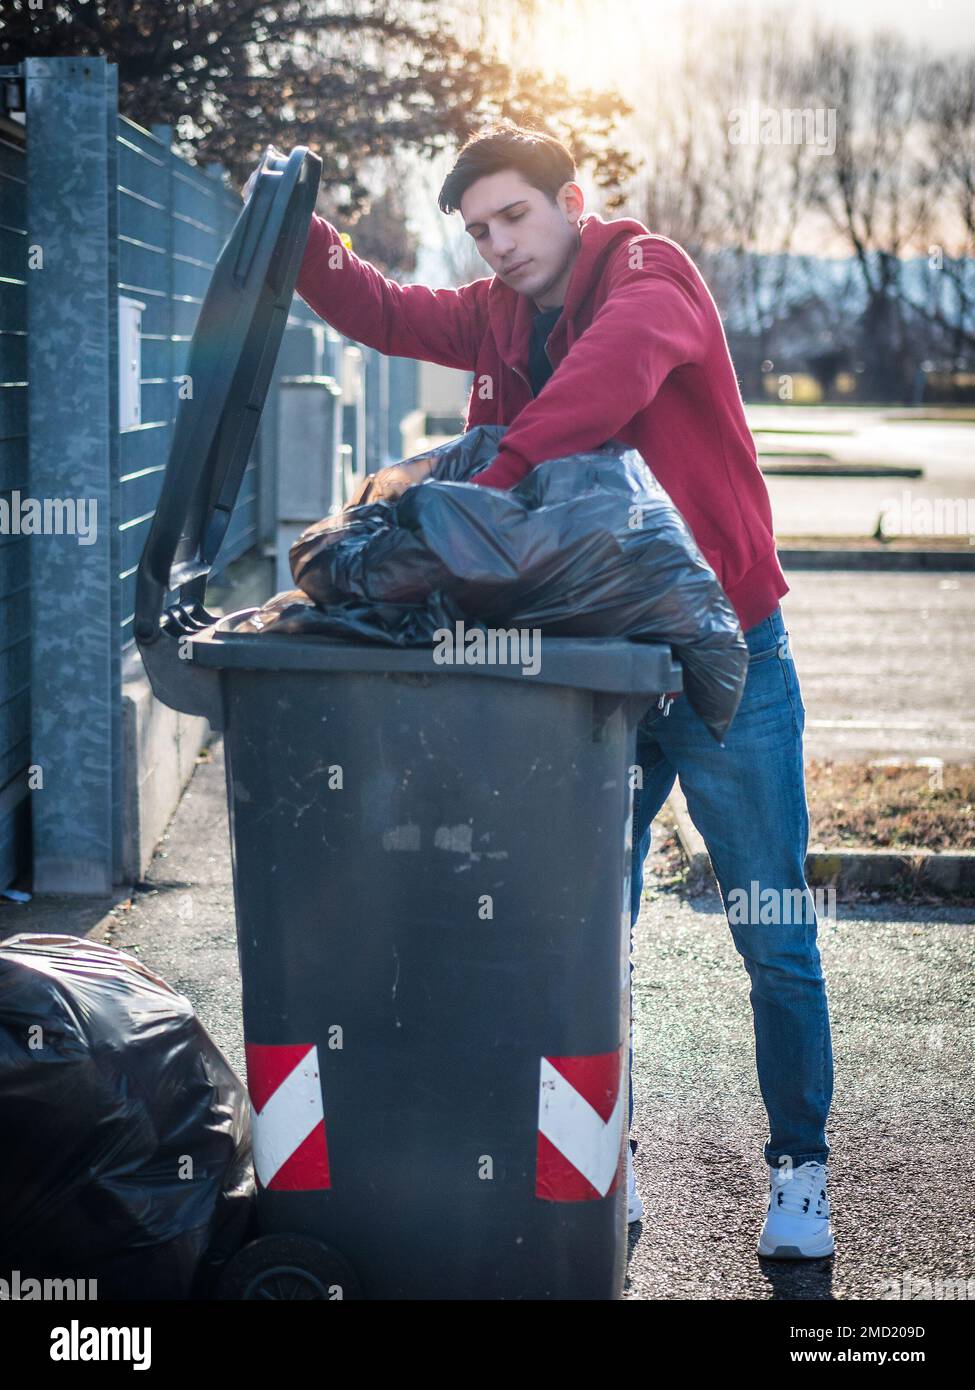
point(597, 39)
point(944, 24)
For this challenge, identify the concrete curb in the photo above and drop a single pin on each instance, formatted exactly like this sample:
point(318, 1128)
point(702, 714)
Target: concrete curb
point(797, 557)
point(842, 869)
point(786, 465)
point(882, 868)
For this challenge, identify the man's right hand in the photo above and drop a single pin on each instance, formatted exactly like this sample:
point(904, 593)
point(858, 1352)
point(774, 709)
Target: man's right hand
point(389, 484)
point(270, 150)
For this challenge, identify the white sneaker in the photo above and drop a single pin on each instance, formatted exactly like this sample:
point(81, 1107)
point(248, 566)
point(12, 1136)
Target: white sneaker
point(634, 1206)
point(797, 1224)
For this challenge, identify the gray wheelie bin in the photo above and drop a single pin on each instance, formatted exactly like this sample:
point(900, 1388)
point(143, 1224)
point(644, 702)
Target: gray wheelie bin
point(431, 870)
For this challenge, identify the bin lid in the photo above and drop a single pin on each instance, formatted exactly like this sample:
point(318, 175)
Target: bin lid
point(228, 370)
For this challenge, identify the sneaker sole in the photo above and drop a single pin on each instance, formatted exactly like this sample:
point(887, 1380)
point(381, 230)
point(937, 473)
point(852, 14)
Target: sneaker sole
point(792, 1252)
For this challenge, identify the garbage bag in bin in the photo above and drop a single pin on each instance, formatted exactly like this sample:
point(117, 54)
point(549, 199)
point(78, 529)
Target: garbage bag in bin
point(126, 1132)
point(584, 546)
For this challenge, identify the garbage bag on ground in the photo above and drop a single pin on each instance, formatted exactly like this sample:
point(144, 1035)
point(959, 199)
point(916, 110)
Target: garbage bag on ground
point(126, 1155)
point(584, 546)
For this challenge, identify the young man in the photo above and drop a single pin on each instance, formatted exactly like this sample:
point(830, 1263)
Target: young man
point(590, 330)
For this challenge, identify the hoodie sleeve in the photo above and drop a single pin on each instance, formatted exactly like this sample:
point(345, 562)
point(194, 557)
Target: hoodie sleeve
point(443, 326)
point(657, 315)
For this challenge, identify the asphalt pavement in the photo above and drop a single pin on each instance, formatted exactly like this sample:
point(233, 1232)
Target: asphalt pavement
point(874, 438)
point(901, 991)
point(886, 662)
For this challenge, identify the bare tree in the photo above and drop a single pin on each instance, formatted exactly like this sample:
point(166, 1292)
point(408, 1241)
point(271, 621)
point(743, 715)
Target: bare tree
point(733, 200)
point(948, 109)
point(876, 188)
point(761, 185)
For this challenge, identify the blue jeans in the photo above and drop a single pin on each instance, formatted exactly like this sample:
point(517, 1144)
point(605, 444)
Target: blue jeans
point(748, 800)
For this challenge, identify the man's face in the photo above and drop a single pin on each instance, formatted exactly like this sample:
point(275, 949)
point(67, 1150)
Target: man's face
point(529, 242)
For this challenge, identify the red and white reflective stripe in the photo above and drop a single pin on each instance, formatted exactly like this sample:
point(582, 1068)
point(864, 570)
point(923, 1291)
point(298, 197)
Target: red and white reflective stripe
point(580, 1127)
point(290, 1153)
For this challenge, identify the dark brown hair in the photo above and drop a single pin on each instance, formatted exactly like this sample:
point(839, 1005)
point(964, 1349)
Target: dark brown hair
point(543, 161)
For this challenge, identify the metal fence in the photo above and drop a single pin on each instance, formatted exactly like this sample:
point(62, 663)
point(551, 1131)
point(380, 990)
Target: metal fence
point(107, 242)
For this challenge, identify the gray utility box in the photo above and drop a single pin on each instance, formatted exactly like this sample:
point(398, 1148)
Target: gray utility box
point(310, 482)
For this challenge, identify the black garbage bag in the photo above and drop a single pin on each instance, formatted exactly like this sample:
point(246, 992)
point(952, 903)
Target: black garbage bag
point(584, 546)
point(126, 1134)
point(394, 624)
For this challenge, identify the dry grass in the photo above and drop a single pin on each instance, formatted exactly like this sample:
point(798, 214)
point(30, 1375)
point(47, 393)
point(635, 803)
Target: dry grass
point(862, 805)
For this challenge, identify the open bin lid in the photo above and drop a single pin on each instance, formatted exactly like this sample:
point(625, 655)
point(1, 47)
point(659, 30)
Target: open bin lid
point(231, 358)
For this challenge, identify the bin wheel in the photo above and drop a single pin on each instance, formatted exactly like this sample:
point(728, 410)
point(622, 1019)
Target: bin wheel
point(285, 1267)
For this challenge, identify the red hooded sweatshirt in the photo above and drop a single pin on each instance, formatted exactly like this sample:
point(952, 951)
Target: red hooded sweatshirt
point(640, 356)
